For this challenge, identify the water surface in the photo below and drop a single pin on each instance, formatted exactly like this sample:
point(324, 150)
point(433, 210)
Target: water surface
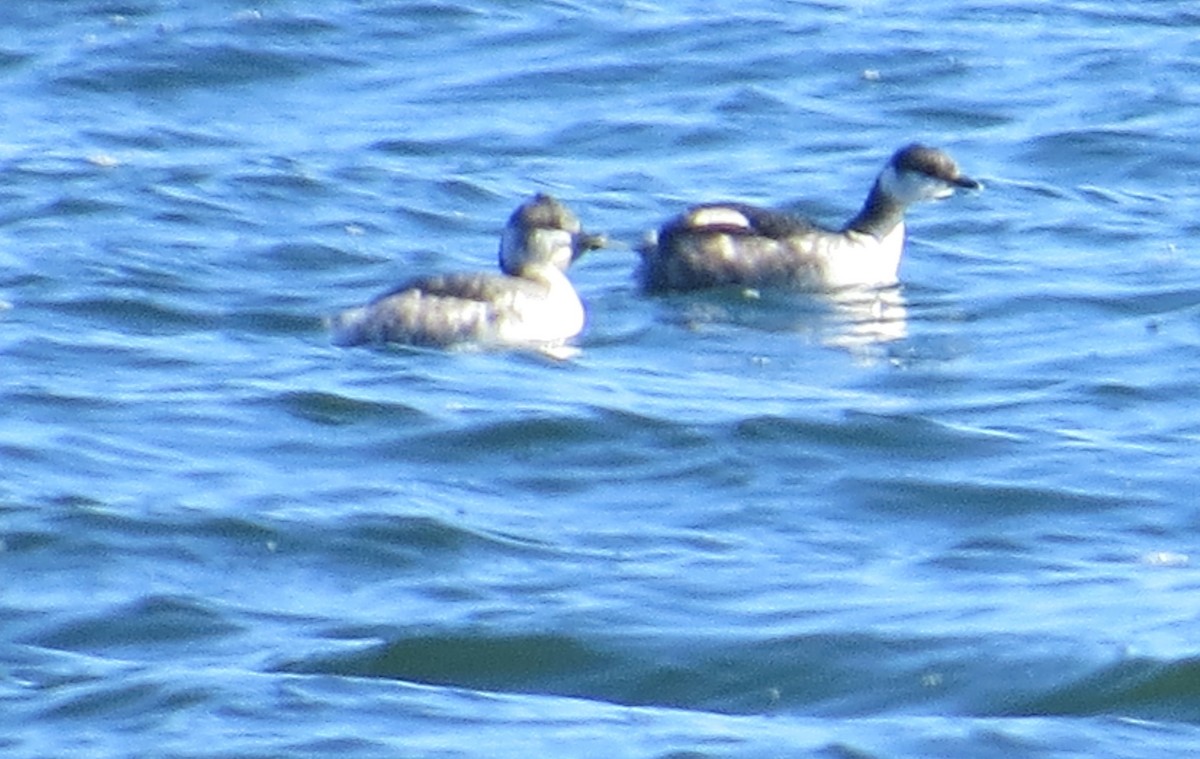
point(956, 522)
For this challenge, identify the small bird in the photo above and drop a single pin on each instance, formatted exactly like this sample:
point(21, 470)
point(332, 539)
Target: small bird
point(530, 304)
point(719, 244)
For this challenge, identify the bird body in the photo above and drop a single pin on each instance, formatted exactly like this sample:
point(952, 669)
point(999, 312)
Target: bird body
point(531, 302)
point(719, 244)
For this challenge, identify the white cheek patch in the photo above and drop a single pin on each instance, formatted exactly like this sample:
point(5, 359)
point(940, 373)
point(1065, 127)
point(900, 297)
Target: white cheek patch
point(550, 246)
point(539, 244)
point(892, 183)
point(717, 216)
point(548, 239)
point(913, 187)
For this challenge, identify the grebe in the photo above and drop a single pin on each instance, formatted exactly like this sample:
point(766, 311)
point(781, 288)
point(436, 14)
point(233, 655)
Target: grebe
point(717, 244)
point(531, 304)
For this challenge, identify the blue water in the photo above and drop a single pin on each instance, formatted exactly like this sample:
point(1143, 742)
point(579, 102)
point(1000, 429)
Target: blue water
point(960, 522)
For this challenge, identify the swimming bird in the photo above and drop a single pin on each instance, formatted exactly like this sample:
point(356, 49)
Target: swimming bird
point(530, 304)
point(717, 244)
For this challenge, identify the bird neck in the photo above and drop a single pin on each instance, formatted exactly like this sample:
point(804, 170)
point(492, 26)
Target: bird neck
point(880, 214)
point(546, 273)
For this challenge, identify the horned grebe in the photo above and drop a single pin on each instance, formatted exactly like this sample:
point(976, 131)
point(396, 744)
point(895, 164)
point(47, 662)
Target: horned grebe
point(719, 244)
point(531, 304)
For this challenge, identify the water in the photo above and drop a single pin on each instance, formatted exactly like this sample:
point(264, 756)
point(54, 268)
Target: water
point(960, 522)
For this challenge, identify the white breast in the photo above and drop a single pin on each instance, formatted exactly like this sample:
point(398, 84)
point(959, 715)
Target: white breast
point(555, 317)
point(854, 259)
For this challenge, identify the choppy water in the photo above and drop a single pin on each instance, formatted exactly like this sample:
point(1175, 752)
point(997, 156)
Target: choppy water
point(962, 526)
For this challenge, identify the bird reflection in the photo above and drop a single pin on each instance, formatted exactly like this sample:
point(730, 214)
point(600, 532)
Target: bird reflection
point(861, 321)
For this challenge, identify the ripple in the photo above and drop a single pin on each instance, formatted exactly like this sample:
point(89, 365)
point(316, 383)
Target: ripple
point(814, 673)
point(1141, 688)
point(168, 65)
point(153, 622)
point(327, 408)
